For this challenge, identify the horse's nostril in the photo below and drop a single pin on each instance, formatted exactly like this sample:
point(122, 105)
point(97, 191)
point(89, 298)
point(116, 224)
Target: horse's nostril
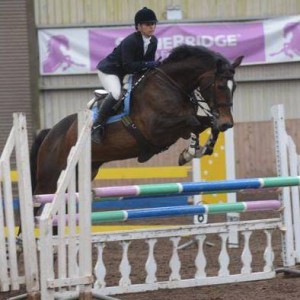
point(225, 126)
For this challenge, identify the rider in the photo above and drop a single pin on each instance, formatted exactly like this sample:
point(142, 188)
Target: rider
point(136, 53)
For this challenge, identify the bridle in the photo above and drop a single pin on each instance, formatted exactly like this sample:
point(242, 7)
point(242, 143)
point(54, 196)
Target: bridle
point(196, 97)
point(213, 110)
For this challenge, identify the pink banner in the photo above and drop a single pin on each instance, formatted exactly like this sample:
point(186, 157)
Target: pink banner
point(66, 51)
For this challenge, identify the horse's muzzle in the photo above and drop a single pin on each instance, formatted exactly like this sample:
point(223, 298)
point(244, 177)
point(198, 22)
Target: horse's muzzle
point(224, 126)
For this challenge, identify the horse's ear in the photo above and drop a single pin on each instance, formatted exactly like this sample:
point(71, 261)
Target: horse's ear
point(237, 61)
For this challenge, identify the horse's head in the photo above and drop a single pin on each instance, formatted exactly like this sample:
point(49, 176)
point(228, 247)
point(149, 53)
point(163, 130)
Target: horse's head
point(217, 87)
point(198, 69)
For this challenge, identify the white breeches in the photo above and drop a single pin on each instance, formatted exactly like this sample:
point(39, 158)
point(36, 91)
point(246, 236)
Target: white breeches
point(111, 83)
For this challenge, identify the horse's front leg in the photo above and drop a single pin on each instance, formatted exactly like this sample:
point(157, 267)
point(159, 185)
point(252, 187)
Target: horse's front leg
point(189, 153)
point(208, 147)
point(195, 150)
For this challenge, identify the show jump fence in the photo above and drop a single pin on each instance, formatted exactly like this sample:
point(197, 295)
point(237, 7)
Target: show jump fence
point(66, 266)
point(288, 164)
point(13, 273)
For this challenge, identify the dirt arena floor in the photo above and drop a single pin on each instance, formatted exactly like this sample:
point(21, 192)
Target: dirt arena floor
point(282, 287)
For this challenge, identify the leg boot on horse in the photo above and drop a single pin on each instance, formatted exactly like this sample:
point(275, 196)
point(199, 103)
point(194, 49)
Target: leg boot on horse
point(105, 111)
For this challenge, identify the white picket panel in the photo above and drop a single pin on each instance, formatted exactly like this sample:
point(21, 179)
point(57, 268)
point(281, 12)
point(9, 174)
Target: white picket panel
point(11, 277)
point(73, 251)
point(287, 161)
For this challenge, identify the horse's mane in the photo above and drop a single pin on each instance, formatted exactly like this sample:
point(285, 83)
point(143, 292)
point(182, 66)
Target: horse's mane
point(185, 51)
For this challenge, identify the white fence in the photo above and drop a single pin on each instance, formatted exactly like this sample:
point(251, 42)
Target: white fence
point(73, 252)
point(288, 164)
point(14, 270)
point(124, 241)
point(66, 266)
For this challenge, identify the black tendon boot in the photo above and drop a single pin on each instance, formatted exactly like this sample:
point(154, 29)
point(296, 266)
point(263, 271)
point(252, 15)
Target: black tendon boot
point(105, 111)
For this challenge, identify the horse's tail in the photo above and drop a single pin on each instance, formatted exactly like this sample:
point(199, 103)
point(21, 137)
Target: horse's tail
point(34, 155)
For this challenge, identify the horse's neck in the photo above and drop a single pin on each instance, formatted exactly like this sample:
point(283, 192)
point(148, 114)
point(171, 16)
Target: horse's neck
point(186, 76)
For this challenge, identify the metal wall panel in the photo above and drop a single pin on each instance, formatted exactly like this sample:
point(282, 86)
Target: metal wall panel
point(55, 105)
point(80, 12)
point(18, 79)
point(253, 100)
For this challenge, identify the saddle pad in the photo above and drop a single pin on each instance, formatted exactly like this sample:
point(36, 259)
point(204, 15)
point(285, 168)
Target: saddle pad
point(126, 107)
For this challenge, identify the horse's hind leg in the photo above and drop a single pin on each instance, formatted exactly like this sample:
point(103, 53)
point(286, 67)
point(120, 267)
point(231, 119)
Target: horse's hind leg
point(46, 183)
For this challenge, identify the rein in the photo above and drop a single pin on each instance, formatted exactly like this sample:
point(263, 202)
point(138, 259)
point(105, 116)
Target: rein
point(196, 100)
point(196, 97)
point(173, 82)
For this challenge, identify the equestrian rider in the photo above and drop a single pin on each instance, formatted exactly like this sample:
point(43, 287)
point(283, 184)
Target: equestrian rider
point(136, 53)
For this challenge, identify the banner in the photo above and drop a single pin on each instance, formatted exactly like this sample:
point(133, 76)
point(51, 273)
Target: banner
point(78, 50)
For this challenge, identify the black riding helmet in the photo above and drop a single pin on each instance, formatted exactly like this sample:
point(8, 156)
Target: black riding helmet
point(144, 15)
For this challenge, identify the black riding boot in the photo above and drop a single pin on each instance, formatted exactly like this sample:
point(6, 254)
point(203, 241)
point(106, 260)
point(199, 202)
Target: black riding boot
point(105, 111)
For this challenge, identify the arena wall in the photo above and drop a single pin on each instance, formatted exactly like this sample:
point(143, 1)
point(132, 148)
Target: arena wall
point(259, 86)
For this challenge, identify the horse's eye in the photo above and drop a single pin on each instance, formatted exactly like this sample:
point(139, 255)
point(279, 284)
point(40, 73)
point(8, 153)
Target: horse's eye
point(222, 87)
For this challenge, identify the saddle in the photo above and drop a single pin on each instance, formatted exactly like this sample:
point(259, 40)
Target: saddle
point(121, 109)
point(121, 112)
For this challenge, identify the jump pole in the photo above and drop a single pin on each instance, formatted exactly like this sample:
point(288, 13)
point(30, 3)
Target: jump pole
point(160, 212)
point(218, 166)
point(186, 188)
point(124, 215)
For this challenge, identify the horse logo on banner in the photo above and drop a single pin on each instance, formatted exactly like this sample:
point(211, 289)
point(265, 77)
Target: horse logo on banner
point(291, 46)
point(56, 58)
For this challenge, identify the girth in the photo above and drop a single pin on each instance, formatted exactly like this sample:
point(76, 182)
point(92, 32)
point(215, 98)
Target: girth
point(147, 148)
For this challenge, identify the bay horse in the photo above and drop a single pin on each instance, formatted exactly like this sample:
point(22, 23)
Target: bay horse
point(163, 109)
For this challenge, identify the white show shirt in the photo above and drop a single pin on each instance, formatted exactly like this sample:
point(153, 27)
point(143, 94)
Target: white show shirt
point(146, 43)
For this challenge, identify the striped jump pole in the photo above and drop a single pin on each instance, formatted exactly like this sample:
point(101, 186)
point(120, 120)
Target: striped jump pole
point(186, 188)
point(123, 215)
point(160, 212)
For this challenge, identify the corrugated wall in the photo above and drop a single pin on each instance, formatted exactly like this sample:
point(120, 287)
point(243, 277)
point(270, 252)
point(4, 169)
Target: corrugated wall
point(18, 78)
point(60, 90)
point(259, 86)
point(78, 12)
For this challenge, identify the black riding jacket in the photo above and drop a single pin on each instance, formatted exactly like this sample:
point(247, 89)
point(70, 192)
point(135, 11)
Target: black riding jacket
point(128, 57)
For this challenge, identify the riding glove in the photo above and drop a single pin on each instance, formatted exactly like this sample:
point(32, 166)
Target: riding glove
point(152, 64)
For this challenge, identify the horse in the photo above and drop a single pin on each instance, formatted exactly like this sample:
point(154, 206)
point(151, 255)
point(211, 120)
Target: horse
point(163, 109)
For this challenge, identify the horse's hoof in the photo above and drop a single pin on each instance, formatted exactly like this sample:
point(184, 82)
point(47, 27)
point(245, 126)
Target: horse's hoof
point(181, 160)
point(209, 151)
